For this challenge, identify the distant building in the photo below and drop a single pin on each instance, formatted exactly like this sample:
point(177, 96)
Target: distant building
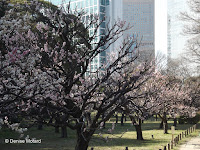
point(139, 13)
point(176, 39)
point(97, 7)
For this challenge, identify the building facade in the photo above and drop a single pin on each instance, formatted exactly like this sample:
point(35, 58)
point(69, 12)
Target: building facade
point(176, 39)
point(92, 7)
point(138, 13)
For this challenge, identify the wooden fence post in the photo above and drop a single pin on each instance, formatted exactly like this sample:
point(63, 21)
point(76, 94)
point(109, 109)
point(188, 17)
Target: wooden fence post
point(168, 146)
point(185, 133)
point(126, 148)
point(165, 148)
point(92, 148)
point(174, 141)
point(177, 138)
point(172, 144)
point(180, 136)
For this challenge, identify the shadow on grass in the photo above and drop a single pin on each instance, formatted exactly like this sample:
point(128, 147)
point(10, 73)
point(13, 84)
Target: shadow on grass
point(124, 142)
point(50, 140)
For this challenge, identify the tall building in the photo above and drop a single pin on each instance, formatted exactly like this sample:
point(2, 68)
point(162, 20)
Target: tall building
point(95, 7)
point(138, 13)
point(176, 39)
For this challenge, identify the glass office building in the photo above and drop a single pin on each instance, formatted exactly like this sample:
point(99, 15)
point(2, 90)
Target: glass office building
point(94, 7)
point(138, 13)
point(176, 40)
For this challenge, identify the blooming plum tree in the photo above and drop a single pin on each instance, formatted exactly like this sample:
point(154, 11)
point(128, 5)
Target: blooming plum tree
point(44, 59)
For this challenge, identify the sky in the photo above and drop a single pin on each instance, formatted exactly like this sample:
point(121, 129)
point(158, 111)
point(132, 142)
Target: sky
point(160, 25)
point(55, 2)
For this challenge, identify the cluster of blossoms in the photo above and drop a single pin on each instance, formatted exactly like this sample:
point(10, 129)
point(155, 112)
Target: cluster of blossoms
point(14, 126)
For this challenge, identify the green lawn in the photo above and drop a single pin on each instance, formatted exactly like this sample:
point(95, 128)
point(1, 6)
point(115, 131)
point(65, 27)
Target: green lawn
point(123, 136)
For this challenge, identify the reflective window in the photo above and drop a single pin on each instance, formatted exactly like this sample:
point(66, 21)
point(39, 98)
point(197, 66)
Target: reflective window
point(95, 2)
point(91, 2)
point(102, 2)
point(102, 9)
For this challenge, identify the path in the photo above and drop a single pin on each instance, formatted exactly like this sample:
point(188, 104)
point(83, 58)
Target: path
point(193, 144)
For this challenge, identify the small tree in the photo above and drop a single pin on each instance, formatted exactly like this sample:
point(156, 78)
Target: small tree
point(172, 98)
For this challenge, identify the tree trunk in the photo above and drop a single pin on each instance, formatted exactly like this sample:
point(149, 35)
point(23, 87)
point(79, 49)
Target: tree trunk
point(175, 122)
point(56, 129)
point(88, 117)
point(138, 129)
point(161, 125)
point(122, 119)
point(116, 116)
point(63, 131)
point(104, 124)
point(81, 144)
point(40, 126)
point(56, 126)
point(156, 117)
point(83, 140)
point(165, 125)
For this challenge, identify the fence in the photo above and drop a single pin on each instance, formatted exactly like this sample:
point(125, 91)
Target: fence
point(175, 141)
point(178, 138)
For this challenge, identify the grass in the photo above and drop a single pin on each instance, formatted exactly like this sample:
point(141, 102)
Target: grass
point(124, 136)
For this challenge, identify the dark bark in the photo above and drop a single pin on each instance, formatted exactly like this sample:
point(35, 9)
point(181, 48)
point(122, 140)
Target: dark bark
point(81, 144)
point(161, 125)
point(165, 124)
point(175, 122)
point(83, 139)
point(122, 119)
point(88, 117)
point(40, 127)
point(116, 116)
point(104, 124)
point(56, 129)
point(138, 127)
point(64, 132)
point(57, 126)
point(156, 117)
